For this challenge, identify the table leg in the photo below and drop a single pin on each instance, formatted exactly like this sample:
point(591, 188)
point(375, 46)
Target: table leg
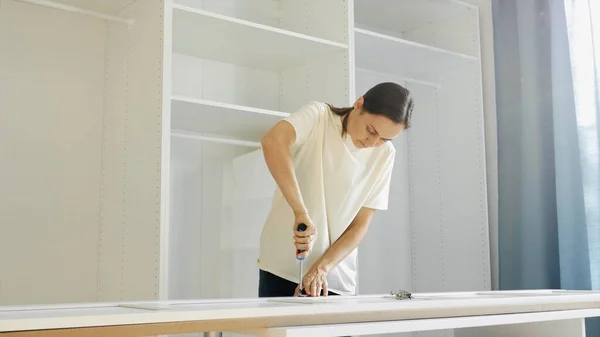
point(213, 334)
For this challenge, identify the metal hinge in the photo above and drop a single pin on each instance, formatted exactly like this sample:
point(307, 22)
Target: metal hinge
point(401, 295)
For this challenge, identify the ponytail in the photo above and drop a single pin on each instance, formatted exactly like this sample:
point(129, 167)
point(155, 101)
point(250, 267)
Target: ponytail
point(344, 113)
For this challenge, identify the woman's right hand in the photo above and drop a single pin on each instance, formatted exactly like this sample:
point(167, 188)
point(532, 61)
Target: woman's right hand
point(304, 240)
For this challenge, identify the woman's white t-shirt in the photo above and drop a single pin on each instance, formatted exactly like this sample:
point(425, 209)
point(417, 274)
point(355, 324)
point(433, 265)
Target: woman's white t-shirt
point(336, 180)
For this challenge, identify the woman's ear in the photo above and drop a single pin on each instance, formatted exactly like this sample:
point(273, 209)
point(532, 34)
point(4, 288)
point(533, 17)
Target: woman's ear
point(359, 103)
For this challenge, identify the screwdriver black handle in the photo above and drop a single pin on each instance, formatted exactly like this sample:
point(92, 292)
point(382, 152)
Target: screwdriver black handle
point(301, 228)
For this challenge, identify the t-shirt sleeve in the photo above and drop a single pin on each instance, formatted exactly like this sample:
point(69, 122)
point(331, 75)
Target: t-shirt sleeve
point(379, 195)
point(304, 120)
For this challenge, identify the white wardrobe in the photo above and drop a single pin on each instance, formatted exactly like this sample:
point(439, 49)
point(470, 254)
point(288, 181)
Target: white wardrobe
point(129, 141)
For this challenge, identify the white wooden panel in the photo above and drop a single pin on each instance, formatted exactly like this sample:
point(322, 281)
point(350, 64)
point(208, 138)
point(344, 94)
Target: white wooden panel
point(388, 54)
point(266, 12)
point(463, 181)
point(226, 120)
point(130, 252)
point(52, 81)
point(165, 169)
point(248, 190)
point(201, 264)
point(142, 235)
point(327, 79)
point(224, 82)
point(446, 24)
point(185, 235)
point(327, 19)
point(256, 45)
point(457, 34)
point(552, 324)
point(310, 17)
point(213, 257)
point(102, 6)
point(405, 15)
point(556, 328)
point(324, 79)
point(112, 207)
point(312, 311)
point(448, 190)
point(486, 40)
point(424, 171)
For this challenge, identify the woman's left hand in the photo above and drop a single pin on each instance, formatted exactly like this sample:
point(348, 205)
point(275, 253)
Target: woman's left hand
point(314, 281)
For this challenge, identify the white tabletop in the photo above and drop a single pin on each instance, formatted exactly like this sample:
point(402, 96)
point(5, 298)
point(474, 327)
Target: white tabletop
point(333, 309)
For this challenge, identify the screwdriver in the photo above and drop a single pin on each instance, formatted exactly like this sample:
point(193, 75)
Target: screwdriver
point(301, 228)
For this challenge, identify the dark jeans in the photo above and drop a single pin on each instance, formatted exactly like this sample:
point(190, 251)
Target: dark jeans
point(270, 285)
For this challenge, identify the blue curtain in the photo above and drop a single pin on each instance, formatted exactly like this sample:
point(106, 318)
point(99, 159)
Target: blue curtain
point(547, 55)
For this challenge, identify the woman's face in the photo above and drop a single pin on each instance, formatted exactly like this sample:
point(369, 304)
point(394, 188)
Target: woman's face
point(368, 130)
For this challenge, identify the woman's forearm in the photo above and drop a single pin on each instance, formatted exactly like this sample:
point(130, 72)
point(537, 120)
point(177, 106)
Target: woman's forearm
point(347, 242)
point(276, 150)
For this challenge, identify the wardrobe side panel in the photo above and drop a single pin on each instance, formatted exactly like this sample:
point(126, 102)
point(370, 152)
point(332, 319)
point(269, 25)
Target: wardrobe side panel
point(114, 135)
point(463, 181)
point(130, 258)
point(486, 41)
point(51, 92)
point(462, 166)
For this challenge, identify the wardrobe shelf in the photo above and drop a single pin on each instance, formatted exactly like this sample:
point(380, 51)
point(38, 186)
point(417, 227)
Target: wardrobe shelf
point(391, 55)
point(218, 118)
point(107, 7)
point(209, 35)
point(182, 134)
point(414, 14)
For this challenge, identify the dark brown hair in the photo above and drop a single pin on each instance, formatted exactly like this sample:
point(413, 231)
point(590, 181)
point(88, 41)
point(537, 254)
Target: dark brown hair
point(388, 99)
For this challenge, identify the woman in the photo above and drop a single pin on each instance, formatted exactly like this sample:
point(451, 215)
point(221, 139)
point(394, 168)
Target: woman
point(333, 168)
